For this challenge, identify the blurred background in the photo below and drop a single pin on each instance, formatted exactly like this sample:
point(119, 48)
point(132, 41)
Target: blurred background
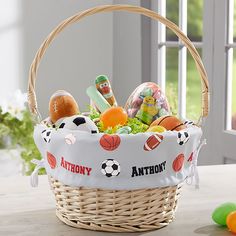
point(130, 49)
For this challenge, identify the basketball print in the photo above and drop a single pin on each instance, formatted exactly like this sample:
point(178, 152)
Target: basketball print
point(178, 163)
point(110, 142)
point(51, 160)
point(152, 142)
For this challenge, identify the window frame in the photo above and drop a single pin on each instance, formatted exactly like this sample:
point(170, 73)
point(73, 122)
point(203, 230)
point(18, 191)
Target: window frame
point(221, 141)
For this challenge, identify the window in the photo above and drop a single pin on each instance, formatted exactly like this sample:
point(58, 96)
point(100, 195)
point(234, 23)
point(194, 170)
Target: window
point(211, 26)
point(176, 68)
point(231, 66)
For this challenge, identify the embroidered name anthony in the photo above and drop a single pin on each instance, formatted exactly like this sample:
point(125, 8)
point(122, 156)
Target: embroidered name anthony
point(83, 170)
point(148, 170)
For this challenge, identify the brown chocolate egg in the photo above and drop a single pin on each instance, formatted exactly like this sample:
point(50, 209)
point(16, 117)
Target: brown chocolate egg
point(62, 104)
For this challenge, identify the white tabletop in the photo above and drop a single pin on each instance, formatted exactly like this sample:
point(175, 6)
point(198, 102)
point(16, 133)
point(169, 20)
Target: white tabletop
point(31, 211)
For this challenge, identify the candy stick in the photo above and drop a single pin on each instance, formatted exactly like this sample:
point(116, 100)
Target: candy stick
point(100, 102)
point(104, 87)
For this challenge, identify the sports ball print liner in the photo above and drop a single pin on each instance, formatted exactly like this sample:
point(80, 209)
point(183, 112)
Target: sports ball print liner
point(109, 132)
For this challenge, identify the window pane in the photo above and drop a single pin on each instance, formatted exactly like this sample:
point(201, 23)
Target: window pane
point(172, 78)
point(195, 13)
point(194, 22)
point(234, 93)
point(234, 21)
point(172, 13)
point(193, 101)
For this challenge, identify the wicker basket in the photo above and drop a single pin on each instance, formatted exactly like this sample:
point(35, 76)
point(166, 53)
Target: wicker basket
point(115, 210)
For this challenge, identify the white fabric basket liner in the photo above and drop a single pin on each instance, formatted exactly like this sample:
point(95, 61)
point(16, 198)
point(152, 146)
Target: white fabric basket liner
point(87, 152)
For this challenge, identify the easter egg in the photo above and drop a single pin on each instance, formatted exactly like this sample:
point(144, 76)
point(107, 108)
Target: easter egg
point(110, 142)
point(157, 128)
point(113, 116)
point(231, 222)
point(152, 142)
point(220, 214)
point(51, 160)
point(178, 163)
point(149, 110)
point(169, 122)
point(124, 130)
point(62, 104)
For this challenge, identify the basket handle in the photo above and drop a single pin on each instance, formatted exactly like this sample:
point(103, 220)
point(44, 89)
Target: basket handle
point(109, 8)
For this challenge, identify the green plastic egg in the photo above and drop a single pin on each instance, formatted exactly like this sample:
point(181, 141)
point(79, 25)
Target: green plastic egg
point(124, 130)
point(220, 214)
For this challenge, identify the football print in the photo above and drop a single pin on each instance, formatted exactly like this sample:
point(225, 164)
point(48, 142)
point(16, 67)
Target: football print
point(152, 142)
point(183, 137)
point(46, 135)
point(110, 168)
point(79, 122)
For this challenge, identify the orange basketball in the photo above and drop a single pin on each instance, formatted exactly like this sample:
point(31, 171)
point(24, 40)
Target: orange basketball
point(169, 122)
point(51, 160)
point(61, 105)
point(178, 163)
point(110, 142)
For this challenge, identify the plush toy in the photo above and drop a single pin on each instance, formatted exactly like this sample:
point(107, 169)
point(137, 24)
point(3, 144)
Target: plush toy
point(62, 104)
point(79, 122)
point(113, 116)
point(104, 87)
point(169, 122)
point(147, 110)
point(98, 100)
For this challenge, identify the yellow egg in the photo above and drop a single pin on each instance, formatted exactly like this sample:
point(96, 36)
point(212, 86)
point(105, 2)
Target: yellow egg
point(157, 128)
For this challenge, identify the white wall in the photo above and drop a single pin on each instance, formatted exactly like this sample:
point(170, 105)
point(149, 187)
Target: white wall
point(76, 57)
point(127, 62)
point(105, 43)
point(10, 47)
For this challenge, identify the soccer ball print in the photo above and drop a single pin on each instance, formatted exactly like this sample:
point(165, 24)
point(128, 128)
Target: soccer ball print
point(183, 137)
point(46, 135)
point(189, 123)
point(110, 168)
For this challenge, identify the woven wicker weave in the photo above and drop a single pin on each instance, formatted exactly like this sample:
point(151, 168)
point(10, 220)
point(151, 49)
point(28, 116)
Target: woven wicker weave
point(115, 210)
